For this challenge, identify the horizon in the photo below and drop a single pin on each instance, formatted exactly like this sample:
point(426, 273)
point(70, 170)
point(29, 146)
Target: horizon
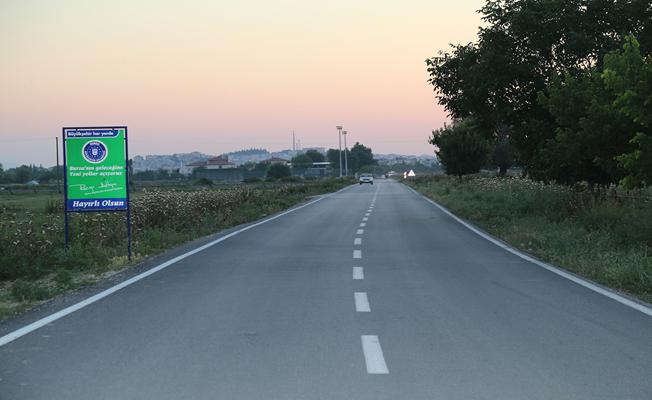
point(217, 78)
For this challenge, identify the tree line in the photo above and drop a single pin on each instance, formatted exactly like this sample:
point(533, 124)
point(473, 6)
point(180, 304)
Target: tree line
point(357, 157)
point(26, 173)
point(563, 88)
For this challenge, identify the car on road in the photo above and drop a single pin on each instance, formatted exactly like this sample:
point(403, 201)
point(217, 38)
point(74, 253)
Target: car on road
point(366, 178)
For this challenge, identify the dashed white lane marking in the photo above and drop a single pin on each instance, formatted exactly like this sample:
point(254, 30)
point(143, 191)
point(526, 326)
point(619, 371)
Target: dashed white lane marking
point(359, 232)
point(373, 355)
point(357, 253)
point(361, 302)
point(357, 241)
point(367, 214)
point(365, 219)
point(362, 225)
point(358, 273)
point(369, 210)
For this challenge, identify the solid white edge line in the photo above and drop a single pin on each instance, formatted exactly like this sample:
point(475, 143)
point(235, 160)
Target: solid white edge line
point(358, 273)
point(361, 302)
point(11, 336)
point(357, 254)
point(556, 270)
point(373, 355)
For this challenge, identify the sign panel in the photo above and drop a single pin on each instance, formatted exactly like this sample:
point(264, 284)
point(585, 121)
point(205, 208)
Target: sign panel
point(95, 162)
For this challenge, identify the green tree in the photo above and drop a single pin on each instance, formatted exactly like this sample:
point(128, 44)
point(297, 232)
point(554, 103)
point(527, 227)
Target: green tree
point(23, 174)
point(589, 134)
point(503, 155)
point(628, 75)
point(315, 156)
point(301, 160)
point(278, 171)
point(360, 156)
point(461, 148)
point(261, 166)
point(333, 157)
point(524, 44)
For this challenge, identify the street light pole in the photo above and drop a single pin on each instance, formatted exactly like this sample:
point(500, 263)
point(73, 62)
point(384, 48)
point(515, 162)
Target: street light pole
point(339, 129)
point(346, 158)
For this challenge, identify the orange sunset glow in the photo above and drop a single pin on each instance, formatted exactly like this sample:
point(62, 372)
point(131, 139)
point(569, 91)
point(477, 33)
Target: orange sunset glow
point(217, 76)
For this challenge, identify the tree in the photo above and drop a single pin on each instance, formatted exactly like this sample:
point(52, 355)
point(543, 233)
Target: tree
point(359, 157)
point(315, 156)
point(503, 155)
point(461, 149)
point(301, 160)
point(278, 171)
point(628, 76)
point(23, 174)
point(333, 157)
point(524, 45)
point(589, 132)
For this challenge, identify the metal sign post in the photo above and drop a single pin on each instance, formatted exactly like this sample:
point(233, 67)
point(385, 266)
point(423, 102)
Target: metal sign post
point(96, 172)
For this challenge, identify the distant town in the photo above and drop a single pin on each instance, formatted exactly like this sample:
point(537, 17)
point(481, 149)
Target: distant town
point(184, 163)
point(242, 165)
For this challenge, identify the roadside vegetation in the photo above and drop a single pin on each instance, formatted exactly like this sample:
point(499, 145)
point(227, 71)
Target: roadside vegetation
point(34, 265)
point(563, 89)
point(605, 236)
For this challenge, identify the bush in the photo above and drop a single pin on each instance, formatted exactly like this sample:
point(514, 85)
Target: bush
point(294, 179)
point(252, 179)
point(204, 182)
point(278, 171)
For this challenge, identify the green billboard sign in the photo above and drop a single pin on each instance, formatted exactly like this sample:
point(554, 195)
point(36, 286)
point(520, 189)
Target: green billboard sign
point(95, 163)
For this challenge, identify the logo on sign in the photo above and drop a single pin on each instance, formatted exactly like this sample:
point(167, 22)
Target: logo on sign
point(94, 151)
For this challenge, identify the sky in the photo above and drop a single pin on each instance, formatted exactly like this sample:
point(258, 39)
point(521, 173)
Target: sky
point(218, 76)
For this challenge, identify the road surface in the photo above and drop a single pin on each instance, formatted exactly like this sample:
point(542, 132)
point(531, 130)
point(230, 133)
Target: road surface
point(369, 293)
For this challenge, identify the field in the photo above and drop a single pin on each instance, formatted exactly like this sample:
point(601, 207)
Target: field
point(35, 267)
point(605, 236)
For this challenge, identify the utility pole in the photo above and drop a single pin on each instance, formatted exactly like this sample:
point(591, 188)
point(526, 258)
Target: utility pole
point(346, 158)
point(339, 129)
point(57, 172)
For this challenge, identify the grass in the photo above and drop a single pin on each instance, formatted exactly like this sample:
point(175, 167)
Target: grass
point(34, 266)
point(604, 236)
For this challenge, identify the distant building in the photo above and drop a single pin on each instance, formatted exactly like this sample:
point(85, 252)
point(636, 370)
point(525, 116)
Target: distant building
point(219, 162)
point(188, 168)
point(276, 160)
point(319, 169)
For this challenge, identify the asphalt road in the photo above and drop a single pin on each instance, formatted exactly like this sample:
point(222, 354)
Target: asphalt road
point(434, 312)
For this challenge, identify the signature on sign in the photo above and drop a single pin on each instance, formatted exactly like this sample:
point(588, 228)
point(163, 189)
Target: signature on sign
point(104, 187)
